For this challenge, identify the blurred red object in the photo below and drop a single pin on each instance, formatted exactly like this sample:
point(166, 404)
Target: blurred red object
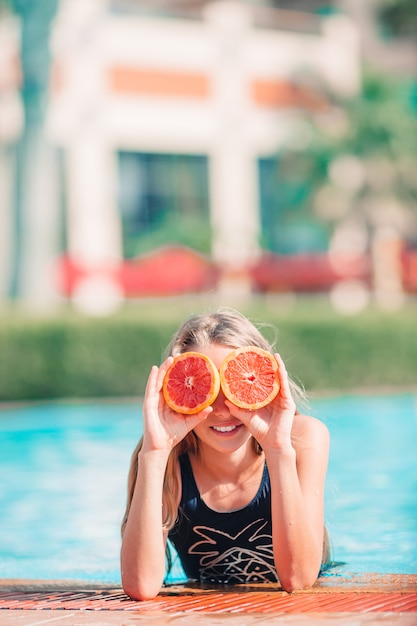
point(409, 269)
point(307, 272)
point(171, 270)
point(175, 270)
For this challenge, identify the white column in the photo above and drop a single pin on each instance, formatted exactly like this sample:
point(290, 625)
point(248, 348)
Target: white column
point(6, 222)
point(340, 59)
point(40, 230)
point(94, 230)
point(387, 248)
point(11, 124)
point(94, 237)
point(233, 176)
point(93, 224)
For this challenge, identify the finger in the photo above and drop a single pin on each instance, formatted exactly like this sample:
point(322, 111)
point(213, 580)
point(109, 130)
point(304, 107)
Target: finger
point(192, 417)
point(244, 415)
point(162, 370)
point(191, 421)
point(280, 362)
point(150, 384)
point(283, 376)
point(197, 418)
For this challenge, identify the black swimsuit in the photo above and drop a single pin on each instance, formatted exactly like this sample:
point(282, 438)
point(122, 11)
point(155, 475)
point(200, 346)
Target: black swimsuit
point(227, 548)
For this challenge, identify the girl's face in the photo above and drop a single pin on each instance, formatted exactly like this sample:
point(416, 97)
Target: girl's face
point(221, 430)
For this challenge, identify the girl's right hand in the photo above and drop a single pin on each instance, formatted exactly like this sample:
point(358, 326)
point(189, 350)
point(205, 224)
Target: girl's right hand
point(163, 428)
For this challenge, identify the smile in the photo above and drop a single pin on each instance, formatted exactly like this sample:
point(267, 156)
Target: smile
point(224, 429)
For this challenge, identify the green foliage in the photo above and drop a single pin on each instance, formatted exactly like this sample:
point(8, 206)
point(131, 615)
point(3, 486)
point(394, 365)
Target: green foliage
point(398, 17)
point(192, 232)
point(82, 358)
point(303, 201)
point(365, 352)
point(357, 169)
point(380, 124)
point(77, 358)
point(287, 184)
point(382, 120)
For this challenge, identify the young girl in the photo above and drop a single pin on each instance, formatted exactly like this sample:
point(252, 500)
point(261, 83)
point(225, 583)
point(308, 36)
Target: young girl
point(239, 493)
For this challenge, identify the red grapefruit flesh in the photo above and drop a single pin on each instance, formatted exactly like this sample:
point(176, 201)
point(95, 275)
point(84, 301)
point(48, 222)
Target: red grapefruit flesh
point(191, 384)
point(249, 377)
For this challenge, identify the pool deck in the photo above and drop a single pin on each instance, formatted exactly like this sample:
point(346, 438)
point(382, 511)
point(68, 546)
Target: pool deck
point(362, 599)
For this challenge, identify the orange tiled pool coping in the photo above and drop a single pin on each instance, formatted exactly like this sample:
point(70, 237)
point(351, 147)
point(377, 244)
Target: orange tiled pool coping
point(365, 593)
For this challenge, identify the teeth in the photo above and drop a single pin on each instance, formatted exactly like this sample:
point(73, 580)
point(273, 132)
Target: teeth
point(224, 429)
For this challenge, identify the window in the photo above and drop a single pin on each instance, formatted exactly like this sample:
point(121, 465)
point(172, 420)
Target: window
point(287, 221)
point(163, 199)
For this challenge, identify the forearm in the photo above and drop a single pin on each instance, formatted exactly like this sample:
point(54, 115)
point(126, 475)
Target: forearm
point(297, 543)
point(143, 545)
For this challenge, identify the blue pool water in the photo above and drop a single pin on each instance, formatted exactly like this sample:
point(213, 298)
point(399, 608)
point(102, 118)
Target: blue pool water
point(63, 470)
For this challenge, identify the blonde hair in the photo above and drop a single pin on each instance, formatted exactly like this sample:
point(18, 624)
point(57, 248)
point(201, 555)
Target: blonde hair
point(227, 327)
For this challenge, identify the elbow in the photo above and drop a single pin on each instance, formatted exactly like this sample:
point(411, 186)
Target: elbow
point(292, 585)
point(140, 591)
point(297, 581)
point(138, 595)
point(140, 583)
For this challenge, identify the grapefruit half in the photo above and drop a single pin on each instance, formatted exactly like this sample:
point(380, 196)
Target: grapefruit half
point(191, 383)
point(249, 377)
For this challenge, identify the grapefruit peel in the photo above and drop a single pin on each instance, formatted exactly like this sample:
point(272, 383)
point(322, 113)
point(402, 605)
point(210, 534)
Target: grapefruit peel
point(249, 377)
point(191, 383)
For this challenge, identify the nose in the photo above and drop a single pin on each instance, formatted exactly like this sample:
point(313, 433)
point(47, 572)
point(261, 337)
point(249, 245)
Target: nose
point(220, 408)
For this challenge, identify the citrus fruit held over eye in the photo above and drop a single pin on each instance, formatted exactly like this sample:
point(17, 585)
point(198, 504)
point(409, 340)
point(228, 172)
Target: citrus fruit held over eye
point(191, 384)
point(249, 377)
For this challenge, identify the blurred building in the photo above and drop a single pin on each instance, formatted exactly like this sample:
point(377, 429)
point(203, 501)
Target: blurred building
point(167, 117)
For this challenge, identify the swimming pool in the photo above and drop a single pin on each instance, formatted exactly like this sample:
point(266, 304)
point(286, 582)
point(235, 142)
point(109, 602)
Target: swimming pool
point(63, 471)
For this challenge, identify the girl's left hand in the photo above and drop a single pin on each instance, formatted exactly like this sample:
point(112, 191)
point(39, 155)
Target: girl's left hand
point(271, 425)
